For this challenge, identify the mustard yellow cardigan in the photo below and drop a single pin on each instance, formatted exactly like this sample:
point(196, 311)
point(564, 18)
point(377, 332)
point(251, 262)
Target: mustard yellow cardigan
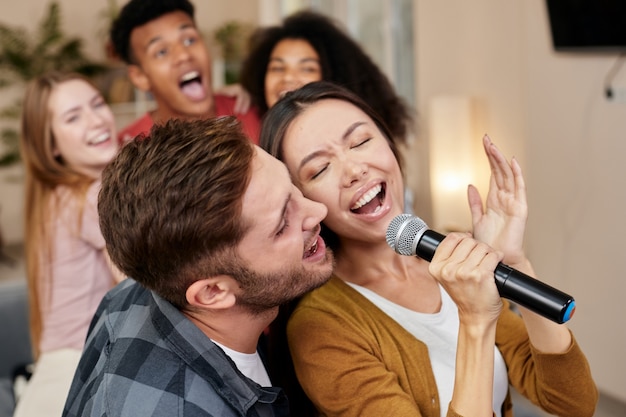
point(354, 360)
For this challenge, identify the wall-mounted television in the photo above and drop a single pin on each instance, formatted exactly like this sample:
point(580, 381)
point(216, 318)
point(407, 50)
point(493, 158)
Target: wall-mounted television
point(588, 25)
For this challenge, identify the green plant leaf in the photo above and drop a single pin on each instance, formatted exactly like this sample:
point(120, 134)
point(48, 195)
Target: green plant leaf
point(12, 111)
point(49, 28)
point(9, 159)
point(25, 55)
point(14, 39)
point(10, 139)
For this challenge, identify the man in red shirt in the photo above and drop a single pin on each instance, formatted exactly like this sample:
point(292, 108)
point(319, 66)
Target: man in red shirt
point(167, 57)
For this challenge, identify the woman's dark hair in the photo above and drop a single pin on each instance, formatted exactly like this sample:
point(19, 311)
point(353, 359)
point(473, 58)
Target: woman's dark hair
point(137, 13)
point(278, 119)
point(275, 124)
point(342, 60)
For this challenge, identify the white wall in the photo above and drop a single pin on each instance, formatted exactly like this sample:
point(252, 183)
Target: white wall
point(548, 110)
point(577, 142)
point(545, 108)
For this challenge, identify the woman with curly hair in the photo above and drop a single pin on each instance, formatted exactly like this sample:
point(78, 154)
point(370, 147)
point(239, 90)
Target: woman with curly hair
point(309, 47)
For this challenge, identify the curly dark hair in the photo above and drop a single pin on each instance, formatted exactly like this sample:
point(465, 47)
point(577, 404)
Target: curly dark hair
point(343, 62)
point(137, 13)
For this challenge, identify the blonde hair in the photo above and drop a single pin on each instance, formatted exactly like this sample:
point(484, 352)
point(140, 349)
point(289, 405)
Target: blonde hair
point(44, 172)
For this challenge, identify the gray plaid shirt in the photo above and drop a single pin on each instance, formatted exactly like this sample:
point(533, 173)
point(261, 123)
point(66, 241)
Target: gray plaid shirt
point(143, 357)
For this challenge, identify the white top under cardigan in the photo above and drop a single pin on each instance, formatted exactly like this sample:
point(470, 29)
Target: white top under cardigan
point(439, 331)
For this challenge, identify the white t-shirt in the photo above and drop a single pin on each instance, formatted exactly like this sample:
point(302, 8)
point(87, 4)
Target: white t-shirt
point(249, 364)
point(440, 332)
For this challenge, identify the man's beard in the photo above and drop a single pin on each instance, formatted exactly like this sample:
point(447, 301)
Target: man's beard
point(263, 291)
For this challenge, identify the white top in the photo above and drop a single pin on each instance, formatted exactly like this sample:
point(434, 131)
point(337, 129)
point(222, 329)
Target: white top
point(249, 364)
point(439, 332)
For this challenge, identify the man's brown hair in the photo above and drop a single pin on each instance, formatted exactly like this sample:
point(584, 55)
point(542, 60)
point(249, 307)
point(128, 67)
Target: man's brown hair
point(170, 204)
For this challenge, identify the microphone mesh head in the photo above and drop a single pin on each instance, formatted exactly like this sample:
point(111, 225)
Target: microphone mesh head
point(404, 232)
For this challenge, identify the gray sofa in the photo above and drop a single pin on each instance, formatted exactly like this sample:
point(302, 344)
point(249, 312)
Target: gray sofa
point(15, 349)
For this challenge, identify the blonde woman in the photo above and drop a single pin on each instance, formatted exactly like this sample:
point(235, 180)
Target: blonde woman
point(68, 137)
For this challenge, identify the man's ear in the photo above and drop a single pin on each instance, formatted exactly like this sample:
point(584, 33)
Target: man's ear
point(138, 77)
point(217, 292)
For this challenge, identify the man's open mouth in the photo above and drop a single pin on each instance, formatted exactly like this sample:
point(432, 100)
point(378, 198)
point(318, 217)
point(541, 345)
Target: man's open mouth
point(191, 86)
point(312, 250)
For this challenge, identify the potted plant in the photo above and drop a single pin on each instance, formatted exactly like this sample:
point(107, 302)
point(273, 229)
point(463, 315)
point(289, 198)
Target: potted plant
point(25, 55)
point(232, 39)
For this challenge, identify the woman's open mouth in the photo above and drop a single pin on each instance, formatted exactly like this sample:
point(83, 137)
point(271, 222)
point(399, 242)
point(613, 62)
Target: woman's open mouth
point(371, 201)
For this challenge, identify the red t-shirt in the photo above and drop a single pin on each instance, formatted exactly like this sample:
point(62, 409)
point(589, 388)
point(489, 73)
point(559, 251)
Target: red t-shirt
point(224, 106)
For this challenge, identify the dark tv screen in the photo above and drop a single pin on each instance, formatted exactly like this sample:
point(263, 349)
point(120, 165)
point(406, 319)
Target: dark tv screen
point(588, 25)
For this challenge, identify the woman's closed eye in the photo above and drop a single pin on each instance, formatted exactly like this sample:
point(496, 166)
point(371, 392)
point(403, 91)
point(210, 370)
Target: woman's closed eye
point(360, 143)
point(319, 172)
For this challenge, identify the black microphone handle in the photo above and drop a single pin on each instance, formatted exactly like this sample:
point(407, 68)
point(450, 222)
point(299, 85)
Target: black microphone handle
point(514, 285)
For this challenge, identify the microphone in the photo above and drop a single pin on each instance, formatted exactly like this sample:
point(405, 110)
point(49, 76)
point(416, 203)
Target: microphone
point(409, 235)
